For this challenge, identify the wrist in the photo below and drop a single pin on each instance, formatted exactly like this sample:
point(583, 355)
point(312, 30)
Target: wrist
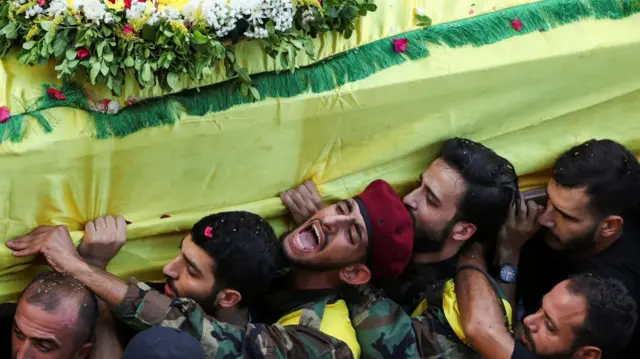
point(508, 256)
point(77, 267)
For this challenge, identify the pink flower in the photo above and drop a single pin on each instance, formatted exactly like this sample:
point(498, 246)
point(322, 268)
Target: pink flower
point(5, 113)
point(55, 93)
point(128, 29)
point(207, 232)
point(42, 2)
point(131, 101)
point(82, 53)
point(400, 45)
point(516, 24)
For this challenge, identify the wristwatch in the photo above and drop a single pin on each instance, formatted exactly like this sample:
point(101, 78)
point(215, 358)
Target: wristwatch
point(508, 273)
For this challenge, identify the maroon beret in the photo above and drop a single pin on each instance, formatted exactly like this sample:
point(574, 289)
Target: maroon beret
point(389, 227)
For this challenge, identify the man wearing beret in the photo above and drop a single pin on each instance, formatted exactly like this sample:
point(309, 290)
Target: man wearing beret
point(346, 244)
point(463, 196)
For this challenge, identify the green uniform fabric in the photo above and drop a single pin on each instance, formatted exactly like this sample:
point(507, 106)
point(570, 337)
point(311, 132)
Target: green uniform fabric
point(386, 331)
point(143, 308)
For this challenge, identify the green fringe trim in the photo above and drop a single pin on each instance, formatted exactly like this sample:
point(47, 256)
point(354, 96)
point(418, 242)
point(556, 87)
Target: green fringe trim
point(351, 66)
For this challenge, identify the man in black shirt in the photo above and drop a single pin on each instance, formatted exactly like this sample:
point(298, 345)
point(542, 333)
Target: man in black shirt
point(582, 317)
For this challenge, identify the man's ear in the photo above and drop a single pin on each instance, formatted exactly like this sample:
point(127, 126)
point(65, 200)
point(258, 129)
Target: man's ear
point(587, 352)
point(462, 231)
point(610, 226)
point(227, 298)
point(355, 274)
point(85, 351)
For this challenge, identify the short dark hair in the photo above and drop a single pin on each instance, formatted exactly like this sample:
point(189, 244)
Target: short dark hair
point(245, 248)
point(491, 186)
point(608, 171)
point(49, 289)
point(611, 313)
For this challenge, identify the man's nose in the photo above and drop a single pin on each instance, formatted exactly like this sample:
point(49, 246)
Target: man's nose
point(410, 200)
point(169, 270)
point(530, 322)
point(546, 219)
point(25, 351)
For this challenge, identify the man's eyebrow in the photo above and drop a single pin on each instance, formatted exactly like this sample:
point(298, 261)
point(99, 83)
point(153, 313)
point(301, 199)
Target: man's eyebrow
point(565, 214)
point(53, 340)
point(546, 315)
point(348, 204)
point(191, 263)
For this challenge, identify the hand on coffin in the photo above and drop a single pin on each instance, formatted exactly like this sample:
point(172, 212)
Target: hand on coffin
point(103, 239)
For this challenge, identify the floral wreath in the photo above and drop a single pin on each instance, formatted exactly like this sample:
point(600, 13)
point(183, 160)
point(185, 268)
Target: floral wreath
point(161, 42)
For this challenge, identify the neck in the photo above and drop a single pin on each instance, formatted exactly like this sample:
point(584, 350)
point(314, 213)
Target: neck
point(601, 246)
point(448, 251)
point(233, 315)
point(304, 279)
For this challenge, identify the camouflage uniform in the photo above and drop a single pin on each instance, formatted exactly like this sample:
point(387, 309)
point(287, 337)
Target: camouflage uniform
point(143, 308)
point(386, 331)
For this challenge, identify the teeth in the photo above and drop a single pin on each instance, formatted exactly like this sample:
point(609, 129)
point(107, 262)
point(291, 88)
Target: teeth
point(315, 229)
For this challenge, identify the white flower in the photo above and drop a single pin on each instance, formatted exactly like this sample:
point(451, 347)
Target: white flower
point(33, 12)
point(57, 7)
point(96, 11)
point(137, 10)
point(77, 4)
point(153, 19)
point(113, 107)
point(420, 11)
point(171, 13)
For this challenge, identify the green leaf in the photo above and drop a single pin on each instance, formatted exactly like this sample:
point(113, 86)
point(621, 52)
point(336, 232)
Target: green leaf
point(93, 74)
point(101, 46)
point(372, 7)
point(104, 68)
point(244, 75)
point(147, 53)
point(73, 63)
point(128, 62)
point(244, 89)
point(108, 57)
point(231, 56)
point(172, 80)
point(106, 31)
point(149, 33)
point(199, 38)
point(255, 93)
point(9, 28)
point(46, 25)
point(59, 46)
point(146, 73)
point(206, 72)
point(29, 45)
point(71, 54)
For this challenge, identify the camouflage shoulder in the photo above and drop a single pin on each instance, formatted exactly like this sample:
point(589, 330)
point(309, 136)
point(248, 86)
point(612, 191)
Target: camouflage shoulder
point(292, 341)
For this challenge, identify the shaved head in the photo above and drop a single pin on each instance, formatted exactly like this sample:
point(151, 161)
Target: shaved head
point(57, 292)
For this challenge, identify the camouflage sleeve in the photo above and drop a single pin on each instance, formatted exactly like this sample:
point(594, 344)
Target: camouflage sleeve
point(143, 308)
point(384, 330)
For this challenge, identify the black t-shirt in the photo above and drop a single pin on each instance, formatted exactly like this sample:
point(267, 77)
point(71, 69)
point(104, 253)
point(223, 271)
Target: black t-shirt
point(7, 312)
point(520, 352)
point(541, 269)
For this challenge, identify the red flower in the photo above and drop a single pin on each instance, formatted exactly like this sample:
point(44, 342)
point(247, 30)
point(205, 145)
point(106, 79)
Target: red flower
point(128, 29)
point(82, 53)
point(112, 1)
point(131, 101)
point(127, 4)
point(105, 104)
point(5, 113)
point(42, 2)
point(516, 24)
point(142, 0)
point(55, 93)
point(400, 45)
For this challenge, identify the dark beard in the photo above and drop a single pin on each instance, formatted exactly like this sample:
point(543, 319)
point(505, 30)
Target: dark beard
point(565, 355)
point(581, 243)
point(428, 241)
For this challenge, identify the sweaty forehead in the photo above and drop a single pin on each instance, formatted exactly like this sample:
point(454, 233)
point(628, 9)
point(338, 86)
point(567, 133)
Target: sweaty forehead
point(566, 309)
point(573, 201)
point(34, 320)
point(444, 181)
point(196, 255)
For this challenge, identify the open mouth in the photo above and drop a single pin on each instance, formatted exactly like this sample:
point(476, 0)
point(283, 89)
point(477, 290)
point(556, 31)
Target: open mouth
point(310, 238)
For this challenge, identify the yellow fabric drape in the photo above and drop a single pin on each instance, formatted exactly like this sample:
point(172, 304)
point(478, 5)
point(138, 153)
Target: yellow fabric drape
point(528, 97)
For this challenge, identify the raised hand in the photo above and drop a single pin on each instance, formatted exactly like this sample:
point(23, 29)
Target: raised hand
point(54, 242)
point(104, 237)
point(303, 201)
point(520, 226)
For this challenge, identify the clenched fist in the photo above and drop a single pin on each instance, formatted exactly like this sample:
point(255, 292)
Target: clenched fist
point(102, 240)
point(303, 201)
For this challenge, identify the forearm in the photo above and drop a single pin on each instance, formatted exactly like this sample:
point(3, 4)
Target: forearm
point(106, 286)
point(107, 344)
point(480, 312)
